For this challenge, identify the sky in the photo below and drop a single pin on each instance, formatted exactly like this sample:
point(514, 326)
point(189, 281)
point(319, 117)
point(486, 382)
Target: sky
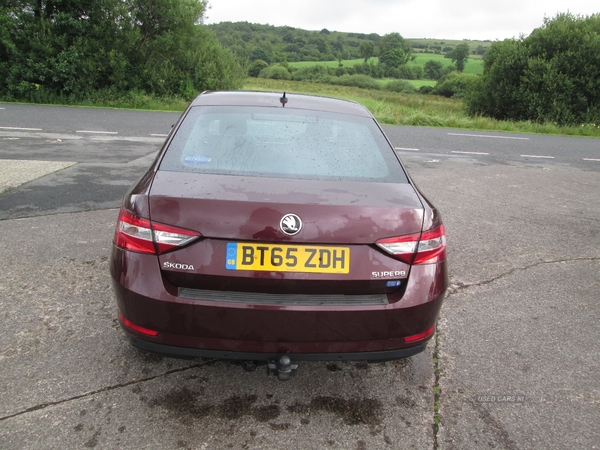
point(437, 19)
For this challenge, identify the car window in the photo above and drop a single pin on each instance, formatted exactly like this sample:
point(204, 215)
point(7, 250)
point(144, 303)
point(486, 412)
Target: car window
point(283, 143)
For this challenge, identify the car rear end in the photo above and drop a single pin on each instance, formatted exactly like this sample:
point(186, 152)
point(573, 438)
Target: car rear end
point(270, 228)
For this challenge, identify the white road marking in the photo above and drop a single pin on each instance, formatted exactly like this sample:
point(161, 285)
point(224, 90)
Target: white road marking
point(158, 134)
point(20, 128)
point(470, 153)
point(591, 159)
point(2, 108)
point(99, 132)
point(488, 136)
point(537, 156)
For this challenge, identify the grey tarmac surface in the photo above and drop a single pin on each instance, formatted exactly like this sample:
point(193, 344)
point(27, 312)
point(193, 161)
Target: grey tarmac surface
point(517, 340)
point(100, 170)
point(514, 363)
point(69, 379)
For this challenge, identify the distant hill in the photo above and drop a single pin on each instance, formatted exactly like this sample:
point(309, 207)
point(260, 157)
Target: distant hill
point(273, 44)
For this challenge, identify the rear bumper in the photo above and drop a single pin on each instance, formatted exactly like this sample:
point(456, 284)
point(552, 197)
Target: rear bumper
point(185, 352)
point(191, 328)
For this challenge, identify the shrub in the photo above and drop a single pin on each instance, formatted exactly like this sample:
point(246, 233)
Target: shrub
point(256, 67)
point(317, 73)
point(456, 84)
point(339, 71)
point(433, 69)
point(405, 72)
point(553, 75)
point(400, 86)
point(276, 72)
point(361, 81)
point(372, 70)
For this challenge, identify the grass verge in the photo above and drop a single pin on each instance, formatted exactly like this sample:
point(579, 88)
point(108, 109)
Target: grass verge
point(106, 99)
point(388, 107)
point(417, 109)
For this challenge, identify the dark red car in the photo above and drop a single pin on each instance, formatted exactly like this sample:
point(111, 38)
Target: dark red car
point(278, 228)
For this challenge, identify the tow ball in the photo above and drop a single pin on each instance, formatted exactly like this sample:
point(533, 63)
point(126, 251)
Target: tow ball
point(283, 368)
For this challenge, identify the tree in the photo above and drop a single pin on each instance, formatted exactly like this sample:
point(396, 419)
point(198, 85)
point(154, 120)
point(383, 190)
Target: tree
point(553, 75)
point(72, 48)
point(459, 55)
point(256, 66)
point(433, 69)
point(259, 54)
point(394, 40)
point(394, 52)
point(367, 49)
point(276, 72)
point(456, 84)
point(499, 95)
point(291, 44)
point(338, 44)
point(320, 42)
point(394, 58)
point(480, 50)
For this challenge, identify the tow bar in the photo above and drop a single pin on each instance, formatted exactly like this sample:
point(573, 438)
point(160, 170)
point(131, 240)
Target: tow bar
point(283, 368)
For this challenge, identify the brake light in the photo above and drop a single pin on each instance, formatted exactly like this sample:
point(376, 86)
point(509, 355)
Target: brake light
point(432, 246)
point(142, 235)
point(427, 247)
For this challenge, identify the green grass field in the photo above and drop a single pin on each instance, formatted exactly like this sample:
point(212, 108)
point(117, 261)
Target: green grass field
point(473, 65)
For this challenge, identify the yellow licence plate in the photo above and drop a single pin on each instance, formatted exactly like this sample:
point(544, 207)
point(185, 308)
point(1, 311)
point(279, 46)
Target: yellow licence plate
point(287, 258)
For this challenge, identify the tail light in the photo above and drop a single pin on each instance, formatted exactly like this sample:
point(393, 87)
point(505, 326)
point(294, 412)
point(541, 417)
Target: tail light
point(427, 247)
point(145, 236)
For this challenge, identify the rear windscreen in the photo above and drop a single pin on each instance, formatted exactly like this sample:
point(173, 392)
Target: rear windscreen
point(282, 143)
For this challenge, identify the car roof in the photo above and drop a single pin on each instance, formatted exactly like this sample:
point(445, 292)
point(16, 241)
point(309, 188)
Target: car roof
point(273, 99)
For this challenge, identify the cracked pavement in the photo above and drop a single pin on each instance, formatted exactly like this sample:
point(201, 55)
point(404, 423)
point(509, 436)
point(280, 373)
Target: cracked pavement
point(517, 340)
point(514, 363)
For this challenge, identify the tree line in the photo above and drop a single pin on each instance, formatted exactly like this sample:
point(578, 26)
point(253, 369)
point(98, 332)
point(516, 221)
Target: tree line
point(277, 44)
point(266, 50)
point(73, 50)
point(394, 52)
point(53, 49)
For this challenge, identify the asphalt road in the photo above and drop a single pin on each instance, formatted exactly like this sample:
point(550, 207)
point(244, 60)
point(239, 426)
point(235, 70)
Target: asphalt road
point(515, 359)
